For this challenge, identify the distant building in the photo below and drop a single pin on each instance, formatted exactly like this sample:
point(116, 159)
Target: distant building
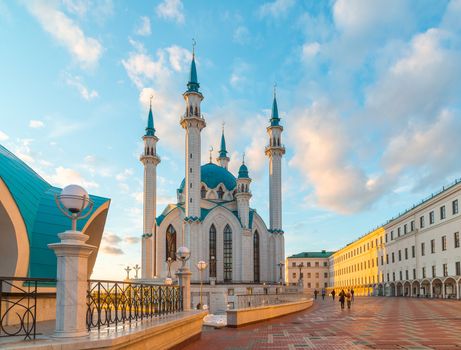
point(415, 254)
point(310, 267)
point(30, 220)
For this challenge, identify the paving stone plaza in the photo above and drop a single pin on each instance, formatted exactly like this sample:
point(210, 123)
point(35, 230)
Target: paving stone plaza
point(372, 323)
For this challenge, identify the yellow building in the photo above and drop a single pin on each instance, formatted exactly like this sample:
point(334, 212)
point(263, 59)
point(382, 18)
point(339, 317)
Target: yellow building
point(356, 265)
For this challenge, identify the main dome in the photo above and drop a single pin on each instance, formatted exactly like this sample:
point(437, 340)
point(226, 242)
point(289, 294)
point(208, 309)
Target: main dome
point(212, 175)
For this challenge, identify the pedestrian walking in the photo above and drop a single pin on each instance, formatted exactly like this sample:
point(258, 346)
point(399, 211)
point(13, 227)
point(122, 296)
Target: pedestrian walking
point(342, 297)
point(315, 294)
point(352, 293)
point(323, 293)
point(348, 298)
point(333, 293)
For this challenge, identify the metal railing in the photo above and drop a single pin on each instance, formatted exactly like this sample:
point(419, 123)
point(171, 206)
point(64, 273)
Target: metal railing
point(18, 305)
point(114, 302)
point(245, 301)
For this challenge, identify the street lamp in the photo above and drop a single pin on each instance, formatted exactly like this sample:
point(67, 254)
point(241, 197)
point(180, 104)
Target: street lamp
point(281, 265)
point(74, 199)
point(183, 254)
point(201, 266)
point(300, 281)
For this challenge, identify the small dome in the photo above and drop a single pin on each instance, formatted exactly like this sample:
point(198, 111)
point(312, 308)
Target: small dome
point(212, 175)
point(243, 172)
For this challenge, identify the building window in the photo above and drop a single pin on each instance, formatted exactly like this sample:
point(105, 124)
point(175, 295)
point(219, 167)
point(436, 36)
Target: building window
point(230, 291)
point(385, 238)
point(421, 222)
point(220, 193)
point(170, 243)
point(317, 275)
point(256, 257)
point(392, 235)
point(400, 255)
point(325, 285)
point(325, 275)
point(444, 242)
point(406, 275)
point(227, 254)
point(387, 258)
point(422, 249)
point(456, 239)
point(382, 260)
point(445, 270)
point(325, 263)
point(454, 207)
point(424, 272)
point(398, 232)
point(212, 247)
point(400, 275)
point(431, 218)
point(432, 246)
point(203, 192)
point(316, 264)
point(293, 275)
point(308, 275)
point(405, 229)
point(388, 279)
point(413, 251)
point(308, 264)
point(412, 225)
point(393, 276)
point(433, 271)
point(442, 212)
point(393, 257)
point(406, 254)
point(293, 264)
point(309, 285)
point(458, 268)
point(414, 274)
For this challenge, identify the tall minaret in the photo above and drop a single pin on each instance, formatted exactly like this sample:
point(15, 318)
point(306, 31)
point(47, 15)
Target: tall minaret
point(150, 160)
point(275, 150)
point(192, 122)
point(223, 159)
point(243, 196)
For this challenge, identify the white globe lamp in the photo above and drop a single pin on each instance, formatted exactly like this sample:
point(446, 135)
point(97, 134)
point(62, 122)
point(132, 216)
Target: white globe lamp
point(73, 201)
point(183, 254)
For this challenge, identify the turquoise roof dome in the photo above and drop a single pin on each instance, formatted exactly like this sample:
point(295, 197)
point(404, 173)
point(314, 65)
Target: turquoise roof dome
point(243, 172)
point(34, 199)
point(212, 175)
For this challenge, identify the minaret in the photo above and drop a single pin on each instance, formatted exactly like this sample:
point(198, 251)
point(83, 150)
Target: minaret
point(243, 196)
point(192, 122)
point(275, 150)
point(223, 159)
point(150, 160)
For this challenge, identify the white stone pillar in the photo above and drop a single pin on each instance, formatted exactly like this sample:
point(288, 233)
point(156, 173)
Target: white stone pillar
point(184, 276)
point(72, 283)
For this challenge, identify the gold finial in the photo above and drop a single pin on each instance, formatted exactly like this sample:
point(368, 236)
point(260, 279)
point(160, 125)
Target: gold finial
point(275, 89)
point(223, 123)
point(151, 97)
point(243, 160)
point(193, 47)
point(211, 150)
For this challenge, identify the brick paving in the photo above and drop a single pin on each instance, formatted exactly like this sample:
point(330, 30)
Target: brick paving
point(372, 323)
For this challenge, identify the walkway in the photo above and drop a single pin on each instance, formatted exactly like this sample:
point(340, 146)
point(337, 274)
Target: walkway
point(372, 323)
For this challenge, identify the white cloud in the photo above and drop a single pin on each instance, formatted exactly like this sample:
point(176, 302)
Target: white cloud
point(66, 176)
point(36, 124)
point(277, 8)
point(179, 58)
point(3, 136)
point(76, 82)
point(86, 50)
point(143, 27)
point(309, 50)
point(124, 175)
point(171, 9)
point(141, 68)
point(241, 35)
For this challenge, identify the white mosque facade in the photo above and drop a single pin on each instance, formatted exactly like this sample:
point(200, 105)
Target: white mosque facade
point(213, 216)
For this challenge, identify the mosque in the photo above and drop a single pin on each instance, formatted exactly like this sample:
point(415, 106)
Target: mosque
point(213, 216)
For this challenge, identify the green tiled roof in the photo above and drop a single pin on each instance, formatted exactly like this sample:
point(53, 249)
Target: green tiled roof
point(42, 218)
point(212, 175)
point(322, 254)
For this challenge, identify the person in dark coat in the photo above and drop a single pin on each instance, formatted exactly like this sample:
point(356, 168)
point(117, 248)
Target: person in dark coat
point(342, 298)
point(333, 293)
point(315, 294)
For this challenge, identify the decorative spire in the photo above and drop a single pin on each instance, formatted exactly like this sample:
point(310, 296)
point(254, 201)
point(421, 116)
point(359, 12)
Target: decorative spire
point(223, 151)
point(211, 152)
point(193, 84)
point(150, 130)
point(275, 112)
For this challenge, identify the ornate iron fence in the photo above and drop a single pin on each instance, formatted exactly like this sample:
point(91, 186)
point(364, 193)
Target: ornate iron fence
point(18, 305)
point(245, 301)
point(113, 302)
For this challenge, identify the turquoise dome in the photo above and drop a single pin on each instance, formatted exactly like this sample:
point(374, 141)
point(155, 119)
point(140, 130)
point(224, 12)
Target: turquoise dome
point(243, 172)
point(212, 175)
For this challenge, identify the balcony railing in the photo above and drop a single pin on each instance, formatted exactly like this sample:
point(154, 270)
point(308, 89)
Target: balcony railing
point(245, 301)
point(113, 302)
point(18, 305)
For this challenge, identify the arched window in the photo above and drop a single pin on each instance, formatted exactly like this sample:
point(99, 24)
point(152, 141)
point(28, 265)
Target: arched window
point(220, 192)
point(227, 254)
point(203, 192)
point(256, 269)
point(212, 257)
point(196, 111)
point(170, 243)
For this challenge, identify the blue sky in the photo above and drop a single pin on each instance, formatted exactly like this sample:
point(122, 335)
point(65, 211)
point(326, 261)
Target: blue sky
point(369, 94)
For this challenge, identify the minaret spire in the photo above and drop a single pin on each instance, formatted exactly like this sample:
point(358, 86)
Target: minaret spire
point(193, 84)
point(223, 159)
point(275, 120)
point(150, 160)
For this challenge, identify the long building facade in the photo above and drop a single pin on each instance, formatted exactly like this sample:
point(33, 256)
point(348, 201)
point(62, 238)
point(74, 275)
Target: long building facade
point(416, 254)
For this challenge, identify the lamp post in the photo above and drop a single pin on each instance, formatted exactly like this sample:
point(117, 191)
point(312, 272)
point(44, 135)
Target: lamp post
point(201, 266)
point(127, 269)
point(281, 265)
point(72, 260)
point(183, 254)
point(300, 281)
point(136, 269)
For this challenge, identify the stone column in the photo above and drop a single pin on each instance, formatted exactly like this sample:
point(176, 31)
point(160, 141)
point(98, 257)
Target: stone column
point(184, 276)
point(72, 283)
